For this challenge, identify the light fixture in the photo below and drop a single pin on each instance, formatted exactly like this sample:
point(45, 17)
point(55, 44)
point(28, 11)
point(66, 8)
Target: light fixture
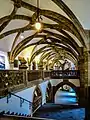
point(22, 36)
point(38, 24)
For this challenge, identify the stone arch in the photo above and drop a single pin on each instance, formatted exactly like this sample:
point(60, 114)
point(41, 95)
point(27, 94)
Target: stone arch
point(37, 99)
point(67, 83)
point(48, 92)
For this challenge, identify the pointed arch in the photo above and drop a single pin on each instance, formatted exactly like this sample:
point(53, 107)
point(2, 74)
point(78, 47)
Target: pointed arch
point(66, 83)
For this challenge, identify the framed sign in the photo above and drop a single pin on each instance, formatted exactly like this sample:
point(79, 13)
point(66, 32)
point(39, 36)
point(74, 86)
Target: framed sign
point(2, 62)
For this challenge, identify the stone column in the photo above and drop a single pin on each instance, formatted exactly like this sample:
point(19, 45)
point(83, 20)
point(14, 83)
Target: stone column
point(87, 109)
point(83, 67)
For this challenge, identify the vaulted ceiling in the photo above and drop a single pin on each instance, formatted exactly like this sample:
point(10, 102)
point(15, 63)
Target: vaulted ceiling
point(62, 34)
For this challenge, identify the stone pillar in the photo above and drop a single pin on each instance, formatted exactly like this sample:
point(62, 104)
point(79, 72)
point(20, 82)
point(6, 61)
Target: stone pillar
point(83, 67)
point(87, 108)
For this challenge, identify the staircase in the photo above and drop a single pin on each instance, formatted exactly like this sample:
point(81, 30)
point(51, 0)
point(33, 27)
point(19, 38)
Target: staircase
point(13, 104)
point(18, 111)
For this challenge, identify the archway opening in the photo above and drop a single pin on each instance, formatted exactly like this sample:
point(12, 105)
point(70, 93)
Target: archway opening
point(66, 95)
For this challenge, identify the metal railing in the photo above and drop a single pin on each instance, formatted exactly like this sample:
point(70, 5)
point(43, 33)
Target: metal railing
point(21, 99)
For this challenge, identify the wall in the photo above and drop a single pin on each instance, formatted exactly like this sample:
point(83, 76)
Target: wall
point(6, 59)
point(88, 44)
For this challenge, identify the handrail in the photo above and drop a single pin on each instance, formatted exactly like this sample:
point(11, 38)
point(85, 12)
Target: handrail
point(19, 97)
point(22, 100)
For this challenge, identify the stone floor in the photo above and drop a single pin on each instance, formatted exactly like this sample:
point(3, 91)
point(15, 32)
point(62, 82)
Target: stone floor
point(61, 112)
point(65, 108)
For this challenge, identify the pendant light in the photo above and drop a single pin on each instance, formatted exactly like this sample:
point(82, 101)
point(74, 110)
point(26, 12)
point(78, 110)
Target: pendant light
point(38, 24)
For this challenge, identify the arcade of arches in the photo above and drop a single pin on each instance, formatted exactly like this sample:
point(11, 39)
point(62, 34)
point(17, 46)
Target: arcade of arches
point(62, 43)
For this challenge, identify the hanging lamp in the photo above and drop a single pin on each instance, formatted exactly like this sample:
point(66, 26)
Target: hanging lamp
point(38, 24)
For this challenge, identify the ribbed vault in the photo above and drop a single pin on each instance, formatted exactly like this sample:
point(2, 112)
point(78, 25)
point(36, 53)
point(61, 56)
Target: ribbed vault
point(62, 38)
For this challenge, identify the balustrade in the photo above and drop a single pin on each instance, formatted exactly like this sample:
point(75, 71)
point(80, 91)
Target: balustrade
point(12, 78)
point(34, 75)
point(46, 74)
point(8, 78)
point(68, 74)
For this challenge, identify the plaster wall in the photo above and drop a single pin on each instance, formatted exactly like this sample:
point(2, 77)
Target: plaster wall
point(6, 59)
